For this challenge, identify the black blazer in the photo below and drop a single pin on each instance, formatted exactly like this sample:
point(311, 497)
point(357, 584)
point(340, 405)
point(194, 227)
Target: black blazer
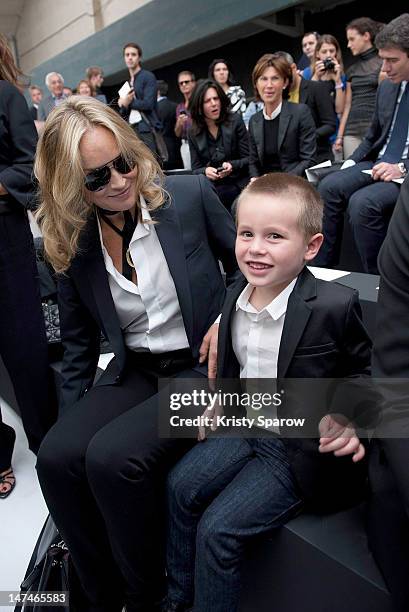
point(318, 99)
point(296, 140)
point(195, 231)
point(376, 136)
point(323, 337)
point(236, 147)
point(389, 459)
point(18, 138)
point(167, 115)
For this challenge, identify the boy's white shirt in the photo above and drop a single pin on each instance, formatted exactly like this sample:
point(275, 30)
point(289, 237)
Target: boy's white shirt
point(256, 337)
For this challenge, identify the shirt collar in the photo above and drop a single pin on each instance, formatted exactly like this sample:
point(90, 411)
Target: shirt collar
point(276, 308)
point(142, 229)
point(274, 114)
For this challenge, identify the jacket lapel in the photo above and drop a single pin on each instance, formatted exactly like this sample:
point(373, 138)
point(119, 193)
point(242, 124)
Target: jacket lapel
point(303, 91)
point(201, 141)
point(390, 110)
point(226, 137)
point(171, 239)
point(258, 129)
point(226, 359)
point(93, 261)
point(296, 319)
point(284, 121)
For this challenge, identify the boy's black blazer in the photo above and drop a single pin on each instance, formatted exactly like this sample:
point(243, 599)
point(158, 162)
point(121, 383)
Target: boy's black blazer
point(195, 231)
point(323, 337)
point(296, 140)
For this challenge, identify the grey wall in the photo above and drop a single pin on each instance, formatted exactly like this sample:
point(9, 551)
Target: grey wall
point(167, 30)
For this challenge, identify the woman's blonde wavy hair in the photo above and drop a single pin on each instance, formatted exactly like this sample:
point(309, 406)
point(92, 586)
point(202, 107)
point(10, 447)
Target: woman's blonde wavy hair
point(64, 208)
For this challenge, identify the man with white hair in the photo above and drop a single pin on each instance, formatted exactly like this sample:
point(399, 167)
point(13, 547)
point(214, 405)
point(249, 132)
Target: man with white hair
point(55, 84)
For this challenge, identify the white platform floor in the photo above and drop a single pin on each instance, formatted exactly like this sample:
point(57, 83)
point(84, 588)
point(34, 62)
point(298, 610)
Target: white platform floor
point(22, 514)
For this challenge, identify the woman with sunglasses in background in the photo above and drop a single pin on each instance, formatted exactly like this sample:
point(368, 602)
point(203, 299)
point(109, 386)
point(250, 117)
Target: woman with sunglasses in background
point(218, 141)
point(138, 260)
point(220, 71)
point(23, 343)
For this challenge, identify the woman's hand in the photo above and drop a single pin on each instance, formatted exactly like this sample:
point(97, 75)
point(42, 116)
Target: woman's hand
point(227, 169)
point(335, 74)
point(319, 71)
point(338, 145)
point(211, 173)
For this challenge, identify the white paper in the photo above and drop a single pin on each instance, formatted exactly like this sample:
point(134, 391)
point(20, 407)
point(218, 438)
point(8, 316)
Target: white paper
point(134, 117)
point(125, 89)
point(104, 360)
point(327, 274)
point(399, 180)
point(310, 175)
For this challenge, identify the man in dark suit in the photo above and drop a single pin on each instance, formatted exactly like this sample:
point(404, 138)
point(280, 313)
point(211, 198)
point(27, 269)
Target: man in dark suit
point(389, 473)
point(318, 99)
point(167, 114)
point(368, 189)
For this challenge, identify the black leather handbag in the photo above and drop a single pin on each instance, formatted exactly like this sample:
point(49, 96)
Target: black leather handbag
point(49, 574)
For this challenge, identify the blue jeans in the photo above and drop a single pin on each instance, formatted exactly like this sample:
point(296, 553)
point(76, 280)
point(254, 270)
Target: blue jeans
point(221, 494)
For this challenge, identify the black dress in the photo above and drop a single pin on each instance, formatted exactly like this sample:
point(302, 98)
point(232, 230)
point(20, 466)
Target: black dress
point(23, 345)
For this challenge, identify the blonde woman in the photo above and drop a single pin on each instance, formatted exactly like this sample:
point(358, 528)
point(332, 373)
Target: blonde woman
point(138, 260)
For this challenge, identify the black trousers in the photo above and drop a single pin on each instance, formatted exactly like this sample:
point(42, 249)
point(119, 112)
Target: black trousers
point(102, 469)
point(23, 344)
point(369, 204)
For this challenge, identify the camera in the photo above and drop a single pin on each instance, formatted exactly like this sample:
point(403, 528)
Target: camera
point(328, 64)
point(182, 112)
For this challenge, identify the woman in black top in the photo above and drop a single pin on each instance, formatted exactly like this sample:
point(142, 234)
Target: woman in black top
point(23, 345)
point(218, 141)
point(362, 84)
point(282, 135)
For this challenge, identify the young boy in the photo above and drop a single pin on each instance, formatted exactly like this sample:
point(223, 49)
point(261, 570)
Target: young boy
point(277, 322)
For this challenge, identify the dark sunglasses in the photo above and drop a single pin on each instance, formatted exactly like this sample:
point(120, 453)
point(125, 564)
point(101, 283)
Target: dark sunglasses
point(185, 82)
point(100, 177)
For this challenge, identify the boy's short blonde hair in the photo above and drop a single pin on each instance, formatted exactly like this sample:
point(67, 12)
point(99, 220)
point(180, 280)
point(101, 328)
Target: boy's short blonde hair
point(307, 197)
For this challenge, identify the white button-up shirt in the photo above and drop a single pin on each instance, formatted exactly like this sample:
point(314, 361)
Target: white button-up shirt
point(256, 335)
point(149, 313)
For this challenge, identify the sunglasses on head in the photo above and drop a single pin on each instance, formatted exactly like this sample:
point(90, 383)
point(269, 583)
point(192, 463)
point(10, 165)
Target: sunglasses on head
point(99, 178)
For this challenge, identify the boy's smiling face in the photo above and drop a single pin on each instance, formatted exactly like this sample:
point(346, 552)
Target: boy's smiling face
point(271, 248)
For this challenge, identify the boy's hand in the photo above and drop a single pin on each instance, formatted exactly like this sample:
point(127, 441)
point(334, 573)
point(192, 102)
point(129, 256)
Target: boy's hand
point(337, 435)
point(208, 350)
point(211, 414)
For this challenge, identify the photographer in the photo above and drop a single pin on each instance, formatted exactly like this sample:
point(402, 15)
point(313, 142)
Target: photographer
point(218, 141)
point(327, 66)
